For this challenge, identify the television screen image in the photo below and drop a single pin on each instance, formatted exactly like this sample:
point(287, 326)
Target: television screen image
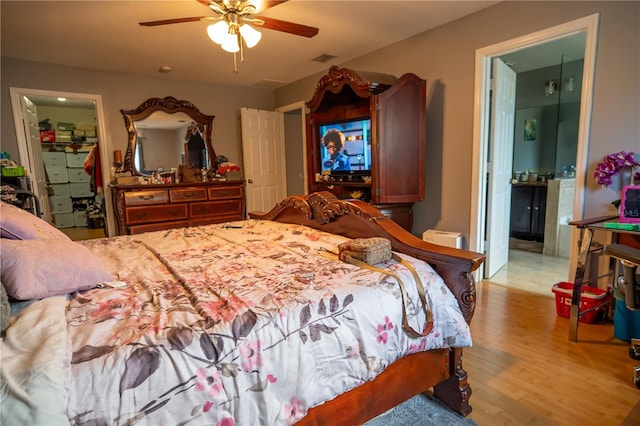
point(346, 146)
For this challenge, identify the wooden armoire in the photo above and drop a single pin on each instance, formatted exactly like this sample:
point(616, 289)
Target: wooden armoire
point(396, 109)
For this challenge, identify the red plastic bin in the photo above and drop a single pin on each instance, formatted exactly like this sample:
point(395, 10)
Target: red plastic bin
point(592, 301)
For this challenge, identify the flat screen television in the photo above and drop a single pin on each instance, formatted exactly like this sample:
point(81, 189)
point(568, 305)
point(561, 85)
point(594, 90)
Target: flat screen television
point(345, 147)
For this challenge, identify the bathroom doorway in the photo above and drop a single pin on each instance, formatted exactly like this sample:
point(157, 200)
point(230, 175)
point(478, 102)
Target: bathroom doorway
point(481, 147)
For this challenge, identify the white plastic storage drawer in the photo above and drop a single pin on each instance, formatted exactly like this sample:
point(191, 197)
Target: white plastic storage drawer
point(78, 175)
point(54, 159)
point(61, 190)
point(80, 218)
point(60, 205)
point(57, 174)
point(81, 189)
point(64, 220)
point(76, 160)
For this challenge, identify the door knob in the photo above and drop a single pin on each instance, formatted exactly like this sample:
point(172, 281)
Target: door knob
point(250, 181)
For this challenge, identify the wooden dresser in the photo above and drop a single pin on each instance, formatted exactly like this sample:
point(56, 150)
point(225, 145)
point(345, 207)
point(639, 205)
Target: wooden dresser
point(143, 208)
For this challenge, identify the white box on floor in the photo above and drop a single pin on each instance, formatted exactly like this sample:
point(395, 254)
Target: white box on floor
point(443, 238)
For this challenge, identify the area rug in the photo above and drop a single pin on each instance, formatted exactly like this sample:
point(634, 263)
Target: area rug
point(420, 410)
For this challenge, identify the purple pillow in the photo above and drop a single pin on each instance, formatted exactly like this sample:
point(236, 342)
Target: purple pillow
point(18, 224)
point(34, 269)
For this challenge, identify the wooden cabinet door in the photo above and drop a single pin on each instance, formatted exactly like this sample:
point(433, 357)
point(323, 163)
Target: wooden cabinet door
point(521, 198)
point(399, 141)
point(538, 211)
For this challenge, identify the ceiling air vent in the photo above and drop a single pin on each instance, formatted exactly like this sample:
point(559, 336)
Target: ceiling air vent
point(325, 57)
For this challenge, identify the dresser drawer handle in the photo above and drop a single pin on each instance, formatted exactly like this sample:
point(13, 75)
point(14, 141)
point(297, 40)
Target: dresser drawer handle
point(146, 197)
point(188, 194)
point(224, 193)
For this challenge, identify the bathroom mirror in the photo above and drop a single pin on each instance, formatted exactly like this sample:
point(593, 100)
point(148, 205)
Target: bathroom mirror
point(165, 133)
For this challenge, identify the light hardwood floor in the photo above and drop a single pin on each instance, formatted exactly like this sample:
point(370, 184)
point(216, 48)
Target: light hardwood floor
point(524, 371)
point(532, 272)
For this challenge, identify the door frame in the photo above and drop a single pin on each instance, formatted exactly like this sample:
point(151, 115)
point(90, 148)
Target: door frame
point(481, 119)
point(302, 107)
point(21, 138)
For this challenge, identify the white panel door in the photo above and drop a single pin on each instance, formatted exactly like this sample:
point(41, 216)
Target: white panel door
point(36, 166)
point(263, 157)
point(500, 166)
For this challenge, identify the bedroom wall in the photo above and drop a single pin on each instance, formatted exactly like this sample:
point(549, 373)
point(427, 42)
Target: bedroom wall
point(127, 91)
point(445, 57)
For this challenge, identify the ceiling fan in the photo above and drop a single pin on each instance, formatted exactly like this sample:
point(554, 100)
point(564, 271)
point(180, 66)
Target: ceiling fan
point(232, 28)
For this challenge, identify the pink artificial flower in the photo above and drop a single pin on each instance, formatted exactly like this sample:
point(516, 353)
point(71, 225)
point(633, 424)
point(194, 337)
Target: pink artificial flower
point(613, 164)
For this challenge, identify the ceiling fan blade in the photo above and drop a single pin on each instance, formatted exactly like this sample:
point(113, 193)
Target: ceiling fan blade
point(287, 27)
point(177, 21)
point(266, 4)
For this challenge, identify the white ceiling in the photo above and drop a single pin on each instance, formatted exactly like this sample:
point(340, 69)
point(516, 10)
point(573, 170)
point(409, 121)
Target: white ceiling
point(105, 35)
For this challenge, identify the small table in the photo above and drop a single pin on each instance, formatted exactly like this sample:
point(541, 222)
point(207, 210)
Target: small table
point(587, 228)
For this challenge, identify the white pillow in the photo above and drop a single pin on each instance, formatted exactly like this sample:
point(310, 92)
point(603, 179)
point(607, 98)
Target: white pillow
point(19, 224)
point(34, 269)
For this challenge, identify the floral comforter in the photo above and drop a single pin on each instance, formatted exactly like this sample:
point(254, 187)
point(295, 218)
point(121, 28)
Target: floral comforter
point(245, 323)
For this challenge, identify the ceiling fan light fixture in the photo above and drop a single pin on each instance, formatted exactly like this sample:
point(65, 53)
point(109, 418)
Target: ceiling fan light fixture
point(231, 44)
point(218, 32)
point(250, 35)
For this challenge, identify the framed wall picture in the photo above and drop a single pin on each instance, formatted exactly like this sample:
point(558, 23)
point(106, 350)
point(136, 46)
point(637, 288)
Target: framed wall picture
point(530, 129)
point(630, 204)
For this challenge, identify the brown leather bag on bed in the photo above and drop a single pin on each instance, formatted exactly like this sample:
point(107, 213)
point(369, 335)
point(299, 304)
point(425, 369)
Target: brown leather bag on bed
point(367, 252)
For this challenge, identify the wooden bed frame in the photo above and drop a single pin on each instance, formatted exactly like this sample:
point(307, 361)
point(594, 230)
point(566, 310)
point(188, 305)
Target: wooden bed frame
point(438, 369)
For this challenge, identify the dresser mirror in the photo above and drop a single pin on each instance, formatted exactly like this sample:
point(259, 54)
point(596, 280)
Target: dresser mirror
point(165, 133)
